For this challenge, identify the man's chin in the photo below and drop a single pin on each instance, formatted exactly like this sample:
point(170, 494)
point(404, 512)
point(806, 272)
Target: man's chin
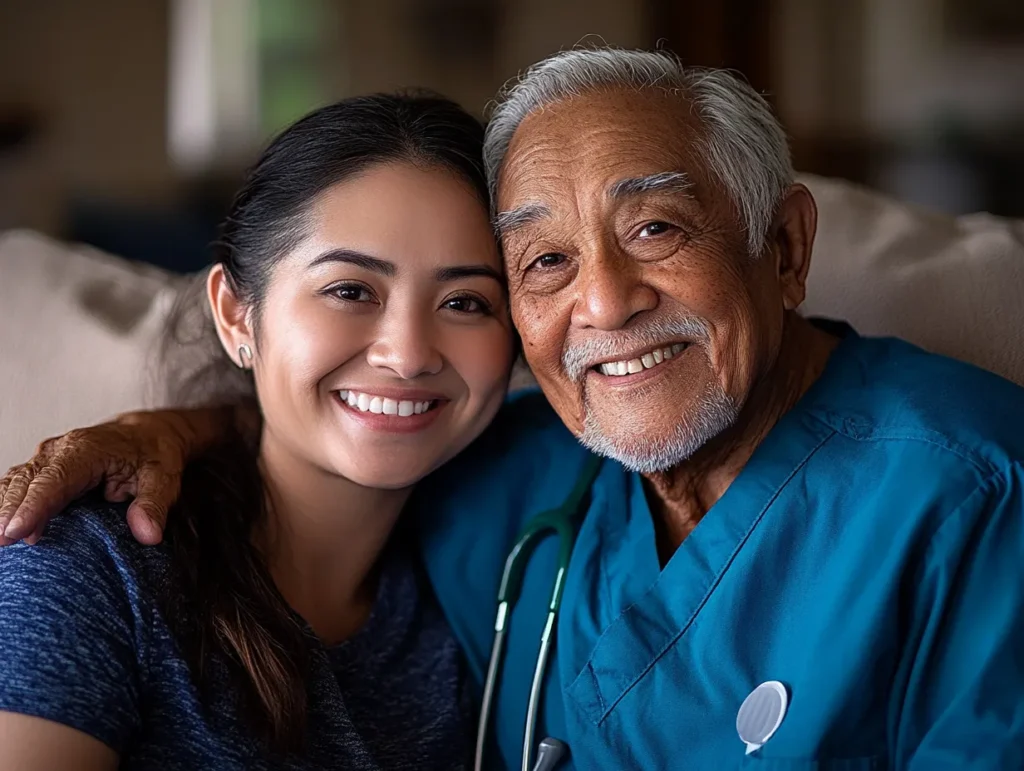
point(640, 455)
point(660, 447)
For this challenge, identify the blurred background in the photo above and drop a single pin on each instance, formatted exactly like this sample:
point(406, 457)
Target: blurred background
point(126, 124)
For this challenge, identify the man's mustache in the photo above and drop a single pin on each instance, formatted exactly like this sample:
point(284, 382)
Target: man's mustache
point(580, 356)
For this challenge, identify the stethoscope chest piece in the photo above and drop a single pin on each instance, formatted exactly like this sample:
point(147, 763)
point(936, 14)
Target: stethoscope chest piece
point(761, 714)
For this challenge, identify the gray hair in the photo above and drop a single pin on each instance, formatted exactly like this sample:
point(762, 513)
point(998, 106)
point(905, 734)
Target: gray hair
point(743, 143)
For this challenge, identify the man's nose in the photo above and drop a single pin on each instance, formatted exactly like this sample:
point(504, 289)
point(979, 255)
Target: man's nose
point(610, 290)
point(407, 346)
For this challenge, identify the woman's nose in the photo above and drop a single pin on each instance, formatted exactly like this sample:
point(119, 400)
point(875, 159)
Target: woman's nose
point(408, 347)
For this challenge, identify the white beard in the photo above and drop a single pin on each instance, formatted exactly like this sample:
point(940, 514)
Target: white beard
point(639, 452)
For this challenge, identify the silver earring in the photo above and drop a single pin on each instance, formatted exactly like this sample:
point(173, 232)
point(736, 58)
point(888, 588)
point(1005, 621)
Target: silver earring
point(244, 352)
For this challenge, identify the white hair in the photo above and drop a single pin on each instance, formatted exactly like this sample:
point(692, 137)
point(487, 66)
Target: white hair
point(743, 143)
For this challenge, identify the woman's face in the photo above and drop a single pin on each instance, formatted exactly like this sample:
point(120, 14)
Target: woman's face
point(384, 342)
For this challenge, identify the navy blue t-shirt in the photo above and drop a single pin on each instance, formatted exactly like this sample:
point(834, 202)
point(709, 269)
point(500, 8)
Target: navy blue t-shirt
point(84, 642)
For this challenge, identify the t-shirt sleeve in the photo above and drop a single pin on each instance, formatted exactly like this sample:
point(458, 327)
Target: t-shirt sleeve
point(963, 706)
point(69, 639)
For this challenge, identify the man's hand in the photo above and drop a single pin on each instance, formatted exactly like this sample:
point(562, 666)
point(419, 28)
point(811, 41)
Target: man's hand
point(140, 455)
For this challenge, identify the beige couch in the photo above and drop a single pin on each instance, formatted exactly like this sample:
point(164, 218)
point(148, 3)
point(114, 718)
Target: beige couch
point(78, 328)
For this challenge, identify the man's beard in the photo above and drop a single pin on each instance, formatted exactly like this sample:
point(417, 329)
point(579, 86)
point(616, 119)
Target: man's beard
point(713, 413)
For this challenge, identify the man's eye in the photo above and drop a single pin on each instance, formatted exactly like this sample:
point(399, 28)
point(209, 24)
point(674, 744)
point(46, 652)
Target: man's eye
point(654, 229)
point(550, 260)
point(352, 293)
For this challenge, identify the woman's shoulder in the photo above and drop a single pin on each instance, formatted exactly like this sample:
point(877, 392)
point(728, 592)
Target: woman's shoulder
point(86, 556)
point(76, 623)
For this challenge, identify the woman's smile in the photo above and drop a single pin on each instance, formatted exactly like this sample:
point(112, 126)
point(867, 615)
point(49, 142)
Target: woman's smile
point(392, 410)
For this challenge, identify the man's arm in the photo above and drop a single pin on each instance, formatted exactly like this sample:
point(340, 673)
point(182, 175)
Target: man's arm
point(963, 704)
point(139, 454)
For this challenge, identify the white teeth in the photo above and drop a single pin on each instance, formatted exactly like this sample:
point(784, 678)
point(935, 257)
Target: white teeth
point(380, 405)
point(648, 360)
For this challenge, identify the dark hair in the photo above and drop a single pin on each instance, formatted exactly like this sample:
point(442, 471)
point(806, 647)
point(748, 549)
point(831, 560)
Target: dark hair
point(229, 603)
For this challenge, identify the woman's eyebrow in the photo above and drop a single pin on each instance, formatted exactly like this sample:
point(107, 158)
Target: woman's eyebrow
point(352, 257)
point(456, 272)
point(390, 270)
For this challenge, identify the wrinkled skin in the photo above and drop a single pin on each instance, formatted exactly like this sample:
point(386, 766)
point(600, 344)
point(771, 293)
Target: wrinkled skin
point(138, 455)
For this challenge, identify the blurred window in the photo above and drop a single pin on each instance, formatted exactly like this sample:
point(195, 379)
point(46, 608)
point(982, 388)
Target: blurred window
point(291, 53)
point(239, 71)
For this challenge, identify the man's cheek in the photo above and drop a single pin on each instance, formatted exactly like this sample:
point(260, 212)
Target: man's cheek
point(542, 335)
point(566, 397)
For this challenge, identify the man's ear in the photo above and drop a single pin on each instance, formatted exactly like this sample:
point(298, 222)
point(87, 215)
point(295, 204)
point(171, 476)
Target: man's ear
point(231, 318)
point(793, 239)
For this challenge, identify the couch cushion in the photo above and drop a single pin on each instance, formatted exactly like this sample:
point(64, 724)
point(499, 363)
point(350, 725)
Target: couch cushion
point(77, 333)
point(951, 285)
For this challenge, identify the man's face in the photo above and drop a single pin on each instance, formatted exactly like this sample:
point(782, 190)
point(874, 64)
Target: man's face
point(643, 316)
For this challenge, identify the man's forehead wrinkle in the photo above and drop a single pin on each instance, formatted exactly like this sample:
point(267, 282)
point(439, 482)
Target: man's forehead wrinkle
point(531, 176)
point(569, 157)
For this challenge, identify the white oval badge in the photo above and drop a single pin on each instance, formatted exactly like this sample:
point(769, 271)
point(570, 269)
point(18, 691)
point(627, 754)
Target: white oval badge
point(761, 714)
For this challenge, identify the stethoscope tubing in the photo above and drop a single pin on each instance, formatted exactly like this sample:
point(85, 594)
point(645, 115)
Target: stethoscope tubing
point(560, 521)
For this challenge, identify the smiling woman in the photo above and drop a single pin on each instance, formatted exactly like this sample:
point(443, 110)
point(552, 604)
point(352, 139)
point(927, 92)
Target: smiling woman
point(356, 294)
point(388, 295)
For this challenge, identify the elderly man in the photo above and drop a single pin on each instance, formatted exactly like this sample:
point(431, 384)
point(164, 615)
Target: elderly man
point(805, 537)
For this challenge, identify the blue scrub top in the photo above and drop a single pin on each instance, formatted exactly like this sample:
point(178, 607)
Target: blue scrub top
point(870, 556)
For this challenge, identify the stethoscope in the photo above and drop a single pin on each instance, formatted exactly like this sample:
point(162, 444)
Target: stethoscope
point(562, 521)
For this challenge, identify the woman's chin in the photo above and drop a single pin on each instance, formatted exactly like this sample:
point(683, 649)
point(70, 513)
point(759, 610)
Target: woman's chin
point(388, 476)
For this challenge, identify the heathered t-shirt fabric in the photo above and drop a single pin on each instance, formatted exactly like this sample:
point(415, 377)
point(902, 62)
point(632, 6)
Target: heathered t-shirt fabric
point(84, 642)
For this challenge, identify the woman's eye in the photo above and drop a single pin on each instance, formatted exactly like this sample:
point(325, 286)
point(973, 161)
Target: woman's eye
point(352, 293)
point(550, 260)
point(654, 229)
point(465, 305)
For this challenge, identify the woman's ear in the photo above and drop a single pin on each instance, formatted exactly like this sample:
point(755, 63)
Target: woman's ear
point(231, 317)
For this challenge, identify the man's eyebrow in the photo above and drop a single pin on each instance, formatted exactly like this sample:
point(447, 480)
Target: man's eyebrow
point(456, 272)
point(506, 222)
point(664, 181)
point(352, 257)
